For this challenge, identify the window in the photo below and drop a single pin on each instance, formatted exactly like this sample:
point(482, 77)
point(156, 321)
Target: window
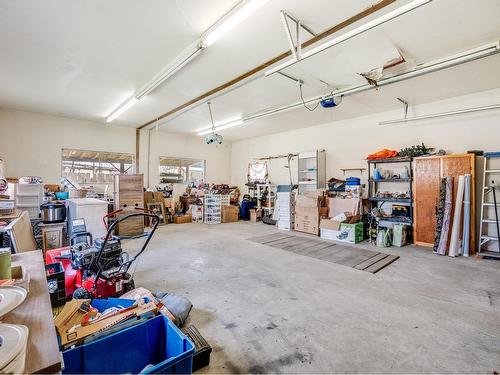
point(181, 171)
point(95, 168)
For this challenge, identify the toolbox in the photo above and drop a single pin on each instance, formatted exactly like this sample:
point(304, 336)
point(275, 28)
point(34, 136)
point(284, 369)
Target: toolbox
point(202, 349)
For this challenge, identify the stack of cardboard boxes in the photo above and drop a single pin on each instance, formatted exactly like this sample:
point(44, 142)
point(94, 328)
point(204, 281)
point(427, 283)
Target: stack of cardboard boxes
point(285, 206)
point(255, 214)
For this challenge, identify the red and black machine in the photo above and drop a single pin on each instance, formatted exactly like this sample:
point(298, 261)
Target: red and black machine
point(100, 268)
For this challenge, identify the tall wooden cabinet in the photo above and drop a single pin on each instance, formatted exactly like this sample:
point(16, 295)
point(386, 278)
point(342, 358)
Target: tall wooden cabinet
point(129, 194)
point(427, 172)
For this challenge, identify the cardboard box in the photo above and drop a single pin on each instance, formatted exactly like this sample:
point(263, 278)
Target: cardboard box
point(355, 232)
point(315, 193)
point(330, 224)
point(255, 215)
point(335, 224)
point(323, 212)
point(169, 203)
point(338, 205)
point(153, 196)
point(308, 201)
point(183, 219)
point(351, 233)
point(230, 214)
point(307, 220)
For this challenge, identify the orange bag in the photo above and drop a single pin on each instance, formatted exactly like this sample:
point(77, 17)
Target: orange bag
point(382, 154)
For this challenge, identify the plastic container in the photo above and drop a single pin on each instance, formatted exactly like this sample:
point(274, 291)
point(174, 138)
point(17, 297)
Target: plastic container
point(62, 195)
point(5, 259)
point(55, 284)
point(33, 211)
point(157, 342)
point(29, 190)
point(103, 304)
point(246, 206)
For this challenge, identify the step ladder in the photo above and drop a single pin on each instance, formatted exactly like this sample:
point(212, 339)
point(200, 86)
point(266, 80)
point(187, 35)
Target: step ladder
point(490, 201)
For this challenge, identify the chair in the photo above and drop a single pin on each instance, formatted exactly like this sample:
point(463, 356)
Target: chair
point(21, 234)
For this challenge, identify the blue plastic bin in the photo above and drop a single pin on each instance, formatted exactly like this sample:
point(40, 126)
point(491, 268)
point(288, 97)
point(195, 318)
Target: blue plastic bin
point(103, 304)
point(157, 341)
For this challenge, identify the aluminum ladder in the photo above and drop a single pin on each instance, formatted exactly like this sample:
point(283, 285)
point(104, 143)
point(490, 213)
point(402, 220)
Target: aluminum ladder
point(494, 192)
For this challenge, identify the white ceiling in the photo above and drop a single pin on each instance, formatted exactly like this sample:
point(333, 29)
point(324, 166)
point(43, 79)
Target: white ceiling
point(82, 58)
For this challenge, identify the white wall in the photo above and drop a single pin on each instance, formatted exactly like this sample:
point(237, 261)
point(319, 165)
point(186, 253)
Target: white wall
point(347, 143)
point(31, 143)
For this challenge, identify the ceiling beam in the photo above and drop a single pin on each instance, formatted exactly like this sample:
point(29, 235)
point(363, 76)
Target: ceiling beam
point(365, 13)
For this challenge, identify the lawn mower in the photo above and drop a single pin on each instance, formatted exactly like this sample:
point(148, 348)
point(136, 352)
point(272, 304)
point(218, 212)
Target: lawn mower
point(98, 270)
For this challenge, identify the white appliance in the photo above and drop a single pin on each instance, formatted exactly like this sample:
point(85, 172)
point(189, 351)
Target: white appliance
point(92, 210)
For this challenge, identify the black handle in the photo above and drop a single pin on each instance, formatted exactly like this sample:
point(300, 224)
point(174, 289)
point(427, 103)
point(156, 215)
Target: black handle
point(76, 235)
point(95, 260)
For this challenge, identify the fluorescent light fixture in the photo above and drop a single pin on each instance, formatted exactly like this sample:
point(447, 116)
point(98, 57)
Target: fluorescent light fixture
point(441, 114)
point(178, 63)
point(350, 34)
point(222, 127)
point(235, 16)
point(122, 108)
point(173, 67)
point(228, 120)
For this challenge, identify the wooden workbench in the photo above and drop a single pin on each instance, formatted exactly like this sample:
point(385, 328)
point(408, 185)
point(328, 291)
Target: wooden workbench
point(42, 354)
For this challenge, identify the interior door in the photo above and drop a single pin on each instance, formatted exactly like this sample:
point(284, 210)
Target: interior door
point(426, 184)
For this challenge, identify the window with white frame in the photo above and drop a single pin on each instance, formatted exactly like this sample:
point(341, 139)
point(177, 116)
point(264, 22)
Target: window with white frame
point(95, 168)
point(181, 170)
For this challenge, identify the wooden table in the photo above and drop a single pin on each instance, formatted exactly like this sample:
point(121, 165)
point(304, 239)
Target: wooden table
point(42, 353)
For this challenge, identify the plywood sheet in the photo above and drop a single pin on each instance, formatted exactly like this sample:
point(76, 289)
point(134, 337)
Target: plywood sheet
point(426, 196)
point(459, 165)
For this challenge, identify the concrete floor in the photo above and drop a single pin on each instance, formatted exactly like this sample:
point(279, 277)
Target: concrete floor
point(265, 310)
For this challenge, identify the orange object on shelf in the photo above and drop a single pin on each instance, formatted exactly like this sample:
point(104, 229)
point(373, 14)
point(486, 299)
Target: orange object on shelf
point(382, 154)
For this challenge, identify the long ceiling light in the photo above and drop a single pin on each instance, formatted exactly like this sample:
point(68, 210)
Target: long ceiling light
point(240, 12)
point(121, 108)
point(350, 34)
point(230, 20)
point(168, 71)
point(421, 69)
point(227, 125)
point(441, 114)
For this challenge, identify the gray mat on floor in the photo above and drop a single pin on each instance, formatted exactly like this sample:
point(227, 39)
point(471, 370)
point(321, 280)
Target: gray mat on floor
point(349, 256)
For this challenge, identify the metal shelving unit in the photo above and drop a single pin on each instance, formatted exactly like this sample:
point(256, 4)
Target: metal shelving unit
point(373, 188)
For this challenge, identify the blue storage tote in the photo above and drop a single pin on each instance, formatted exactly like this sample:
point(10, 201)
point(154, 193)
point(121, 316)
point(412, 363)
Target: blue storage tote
point(157, 341)
point(102, 304)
